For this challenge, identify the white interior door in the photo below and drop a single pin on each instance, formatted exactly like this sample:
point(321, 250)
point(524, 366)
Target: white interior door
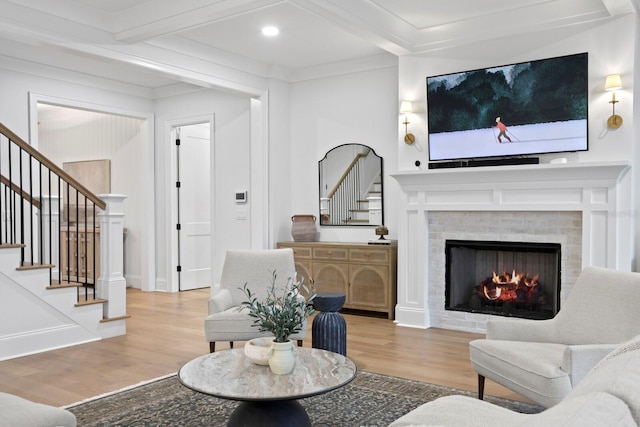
point(194, 206)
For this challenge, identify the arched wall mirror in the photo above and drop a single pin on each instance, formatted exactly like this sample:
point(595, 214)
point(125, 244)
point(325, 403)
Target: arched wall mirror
point(351, 187)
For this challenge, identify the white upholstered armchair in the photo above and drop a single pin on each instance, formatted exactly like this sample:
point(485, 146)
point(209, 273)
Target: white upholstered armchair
point(544, 360)
point(227, 321)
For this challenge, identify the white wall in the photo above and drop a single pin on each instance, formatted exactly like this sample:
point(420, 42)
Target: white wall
point(610, 51)
point(16, 87)
point(356, 108)
point(612, 47)
point(231, 173)
point(636, 150)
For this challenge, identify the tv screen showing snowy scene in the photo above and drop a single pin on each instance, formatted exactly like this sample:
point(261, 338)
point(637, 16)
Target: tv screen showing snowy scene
point(531, 107)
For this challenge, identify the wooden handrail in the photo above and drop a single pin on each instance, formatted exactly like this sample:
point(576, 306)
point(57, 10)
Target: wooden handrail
point(16, 189)
point(346, 172)
point(52, 166)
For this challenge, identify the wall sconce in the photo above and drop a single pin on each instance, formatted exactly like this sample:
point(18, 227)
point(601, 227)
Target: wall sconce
point(612, 84)
point(406, 109)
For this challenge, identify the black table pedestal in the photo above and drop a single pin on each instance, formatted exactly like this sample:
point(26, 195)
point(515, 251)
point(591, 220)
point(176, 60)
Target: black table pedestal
point(278, 413)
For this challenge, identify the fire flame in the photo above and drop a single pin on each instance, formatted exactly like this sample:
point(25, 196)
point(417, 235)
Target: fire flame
point(508, 286)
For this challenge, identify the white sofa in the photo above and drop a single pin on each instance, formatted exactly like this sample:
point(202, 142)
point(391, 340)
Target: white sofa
point(18, 412)
point(609, 395)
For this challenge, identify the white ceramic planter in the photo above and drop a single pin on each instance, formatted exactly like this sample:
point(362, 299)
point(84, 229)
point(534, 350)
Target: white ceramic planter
point(282, 357)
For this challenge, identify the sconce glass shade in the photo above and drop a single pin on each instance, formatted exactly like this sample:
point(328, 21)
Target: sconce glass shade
point(405, 107)
point(613, 82)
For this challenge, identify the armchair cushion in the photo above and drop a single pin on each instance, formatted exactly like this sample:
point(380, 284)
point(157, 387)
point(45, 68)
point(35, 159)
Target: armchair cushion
point(459, 411)
point(16, 411)
point(514, 329)
point(530, 369)
point(617, 374)
point(220, 302)
point(578, 360)
point(592, 410)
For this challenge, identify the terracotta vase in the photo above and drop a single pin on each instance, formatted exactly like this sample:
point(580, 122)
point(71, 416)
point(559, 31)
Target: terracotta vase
point(282, 357)
point(303, 228)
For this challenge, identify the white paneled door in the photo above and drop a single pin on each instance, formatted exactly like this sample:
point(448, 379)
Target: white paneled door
point(194, 205)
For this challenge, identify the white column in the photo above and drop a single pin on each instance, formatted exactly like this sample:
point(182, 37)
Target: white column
point(50, 224)
point(111, 284)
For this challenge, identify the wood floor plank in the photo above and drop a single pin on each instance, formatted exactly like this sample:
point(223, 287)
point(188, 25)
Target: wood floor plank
point(166, 330)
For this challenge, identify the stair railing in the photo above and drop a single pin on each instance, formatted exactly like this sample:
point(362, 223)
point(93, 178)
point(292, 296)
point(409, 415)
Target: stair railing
point(37, 227)
point(344, 198)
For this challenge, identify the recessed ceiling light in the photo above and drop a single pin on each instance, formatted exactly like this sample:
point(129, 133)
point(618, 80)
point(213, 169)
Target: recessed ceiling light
point(270, 31)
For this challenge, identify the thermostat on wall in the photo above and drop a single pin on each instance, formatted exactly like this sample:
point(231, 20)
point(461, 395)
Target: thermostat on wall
point(241, 197)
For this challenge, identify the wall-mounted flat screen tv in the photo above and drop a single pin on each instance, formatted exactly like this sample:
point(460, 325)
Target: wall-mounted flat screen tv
point(513, 110)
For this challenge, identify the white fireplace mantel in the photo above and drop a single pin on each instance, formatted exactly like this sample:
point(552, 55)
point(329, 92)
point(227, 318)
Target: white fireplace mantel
point(601, 191)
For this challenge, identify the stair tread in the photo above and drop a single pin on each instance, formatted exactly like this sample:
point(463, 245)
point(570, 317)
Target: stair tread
point(12, 245)
point(60, 285)
point(28, 266)
point(82, 301)
point(113, 319)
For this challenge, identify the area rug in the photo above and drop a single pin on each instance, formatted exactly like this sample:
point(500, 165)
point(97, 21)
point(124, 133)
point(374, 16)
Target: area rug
point(369, 400)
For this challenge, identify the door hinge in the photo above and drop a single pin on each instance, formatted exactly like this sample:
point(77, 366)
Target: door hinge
point(179, 268)
point(178, 141)
point(177, 184)
point(177, 226)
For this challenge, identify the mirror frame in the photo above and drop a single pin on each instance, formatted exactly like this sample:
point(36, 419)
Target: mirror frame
point(348, 164)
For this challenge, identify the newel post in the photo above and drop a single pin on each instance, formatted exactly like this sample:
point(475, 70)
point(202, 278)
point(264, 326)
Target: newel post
point(111, 283)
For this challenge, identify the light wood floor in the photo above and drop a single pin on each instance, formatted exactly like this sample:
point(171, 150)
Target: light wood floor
point(166, 330)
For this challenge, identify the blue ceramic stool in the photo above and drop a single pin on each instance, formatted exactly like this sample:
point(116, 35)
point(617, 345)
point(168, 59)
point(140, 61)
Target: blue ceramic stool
point(329, 329)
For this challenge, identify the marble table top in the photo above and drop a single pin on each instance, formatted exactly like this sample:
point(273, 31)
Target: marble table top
point(230, 375)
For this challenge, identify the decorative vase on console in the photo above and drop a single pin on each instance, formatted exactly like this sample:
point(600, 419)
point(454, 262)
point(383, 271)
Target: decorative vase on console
point(303, 228)
point(282, 313)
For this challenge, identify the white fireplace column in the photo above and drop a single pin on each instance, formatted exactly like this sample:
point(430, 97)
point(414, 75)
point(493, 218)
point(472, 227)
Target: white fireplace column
point(601, 191)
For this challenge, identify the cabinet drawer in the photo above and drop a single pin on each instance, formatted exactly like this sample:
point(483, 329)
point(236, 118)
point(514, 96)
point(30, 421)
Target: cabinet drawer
point(331, 253)
point(302, 252)
point(379, 256)
point(299, 251)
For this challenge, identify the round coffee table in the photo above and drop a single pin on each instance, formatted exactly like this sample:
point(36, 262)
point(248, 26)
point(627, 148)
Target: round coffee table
point(267, 399)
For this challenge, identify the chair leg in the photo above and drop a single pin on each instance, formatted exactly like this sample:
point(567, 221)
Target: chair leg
point(480, 387)
point(231, 344)
point(300, 343)
point(212, 347)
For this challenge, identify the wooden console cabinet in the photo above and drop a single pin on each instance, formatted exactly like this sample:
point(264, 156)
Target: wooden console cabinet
point(366, 274)
point(79, 257)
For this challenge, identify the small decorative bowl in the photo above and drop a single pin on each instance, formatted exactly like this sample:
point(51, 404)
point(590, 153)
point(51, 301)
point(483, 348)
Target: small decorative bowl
point(257, 350)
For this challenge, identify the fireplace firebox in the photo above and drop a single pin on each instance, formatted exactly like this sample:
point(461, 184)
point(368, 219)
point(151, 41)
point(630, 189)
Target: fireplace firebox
point(517, 279)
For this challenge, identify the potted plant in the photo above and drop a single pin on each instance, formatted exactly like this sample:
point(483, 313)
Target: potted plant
point(281, 313)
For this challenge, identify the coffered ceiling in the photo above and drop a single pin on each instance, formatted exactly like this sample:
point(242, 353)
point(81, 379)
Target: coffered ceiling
point(155, 44)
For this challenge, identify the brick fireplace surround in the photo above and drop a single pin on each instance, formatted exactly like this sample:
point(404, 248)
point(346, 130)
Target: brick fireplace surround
point(583, 206)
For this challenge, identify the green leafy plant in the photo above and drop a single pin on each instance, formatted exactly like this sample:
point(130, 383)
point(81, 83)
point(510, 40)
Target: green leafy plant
point(282, 312)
